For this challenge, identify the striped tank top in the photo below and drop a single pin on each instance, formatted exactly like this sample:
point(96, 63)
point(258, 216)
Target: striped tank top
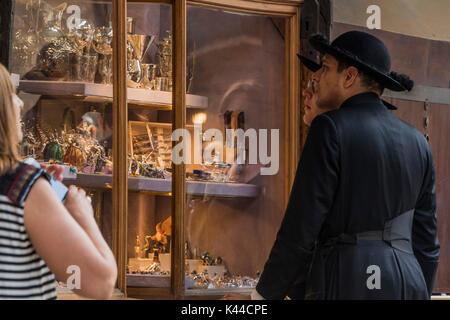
point(23, 274)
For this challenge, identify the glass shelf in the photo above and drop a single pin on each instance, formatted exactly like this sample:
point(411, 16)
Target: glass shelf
point(201, 188)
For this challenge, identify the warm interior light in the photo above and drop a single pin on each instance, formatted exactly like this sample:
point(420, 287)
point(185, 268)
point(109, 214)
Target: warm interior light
point(199, 118)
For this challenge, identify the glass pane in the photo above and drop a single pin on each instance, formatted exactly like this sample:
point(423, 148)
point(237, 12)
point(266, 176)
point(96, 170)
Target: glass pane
point(236, 65)
point(149, 51)
point(63, 56)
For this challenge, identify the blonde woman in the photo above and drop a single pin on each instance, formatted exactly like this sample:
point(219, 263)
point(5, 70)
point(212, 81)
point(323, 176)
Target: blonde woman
point(42, 239)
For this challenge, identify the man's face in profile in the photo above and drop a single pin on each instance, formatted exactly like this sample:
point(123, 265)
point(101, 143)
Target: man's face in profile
point(310, 102)
point(328, 83)
point(312, 109)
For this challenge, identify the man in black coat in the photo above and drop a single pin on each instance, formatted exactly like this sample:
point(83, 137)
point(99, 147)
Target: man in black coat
point(361, 219)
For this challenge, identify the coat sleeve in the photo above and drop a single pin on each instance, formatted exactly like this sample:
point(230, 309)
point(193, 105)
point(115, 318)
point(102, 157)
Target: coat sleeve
point(310, 200)
point(424, 233)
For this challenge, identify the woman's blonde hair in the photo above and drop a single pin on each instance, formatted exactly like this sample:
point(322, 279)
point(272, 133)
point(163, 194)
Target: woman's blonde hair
point(9, 139)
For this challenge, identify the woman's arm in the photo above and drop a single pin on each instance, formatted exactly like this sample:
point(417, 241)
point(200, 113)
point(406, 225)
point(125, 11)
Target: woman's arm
point(69, 236)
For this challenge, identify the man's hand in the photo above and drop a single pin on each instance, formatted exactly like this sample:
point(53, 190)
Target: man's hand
point(53, 169)
point(236, 296)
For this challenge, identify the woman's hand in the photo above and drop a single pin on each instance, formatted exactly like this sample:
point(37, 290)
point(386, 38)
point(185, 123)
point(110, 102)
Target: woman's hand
point(53, 169)
point(78, 204)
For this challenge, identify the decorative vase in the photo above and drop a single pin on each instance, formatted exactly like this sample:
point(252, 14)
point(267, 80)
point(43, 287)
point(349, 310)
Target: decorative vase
point(53, 151)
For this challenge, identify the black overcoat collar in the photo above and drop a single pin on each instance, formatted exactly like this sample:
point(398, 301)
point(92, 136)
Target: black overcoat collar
point(362, 98)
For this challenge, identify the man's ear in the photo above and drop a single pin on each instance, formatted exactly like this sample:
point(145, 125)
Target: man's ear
point(351, 73)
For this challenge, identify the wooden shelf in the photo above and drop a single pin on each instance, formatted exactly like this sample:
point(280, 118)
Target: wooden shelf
point(164, 186)
point(148, 281)
point(101, 92)
point(217, 291)
point(67, 294)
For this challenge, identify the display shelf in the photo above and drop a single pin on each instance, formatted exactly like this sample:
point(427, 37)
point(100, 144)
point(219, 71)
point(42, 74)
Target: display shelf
point(163, 281)
point(95, 91)
point(201, 188)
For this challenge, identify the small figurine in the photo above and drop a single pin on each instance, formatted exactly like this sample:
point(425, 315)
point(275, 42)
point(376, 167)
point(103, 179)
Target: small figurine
point(87, 128)
point(137, 247)
point(74, 156)
point(207, 259)
point(160, 238)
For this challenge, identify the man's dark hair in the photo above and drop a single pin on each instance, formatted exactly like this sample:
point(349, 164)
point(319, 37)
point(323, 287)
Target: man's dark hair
point(366, 80)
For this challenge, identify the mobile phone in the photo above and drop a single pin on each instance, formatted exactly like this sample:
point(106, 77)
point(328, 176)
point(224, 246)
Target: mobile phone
point(57, 186)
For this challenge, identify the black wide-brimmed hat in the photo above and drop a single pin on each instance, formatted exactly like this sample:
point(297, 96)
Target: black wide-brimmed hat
point(313, 66)
point(310, 64)
point(362, 50)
